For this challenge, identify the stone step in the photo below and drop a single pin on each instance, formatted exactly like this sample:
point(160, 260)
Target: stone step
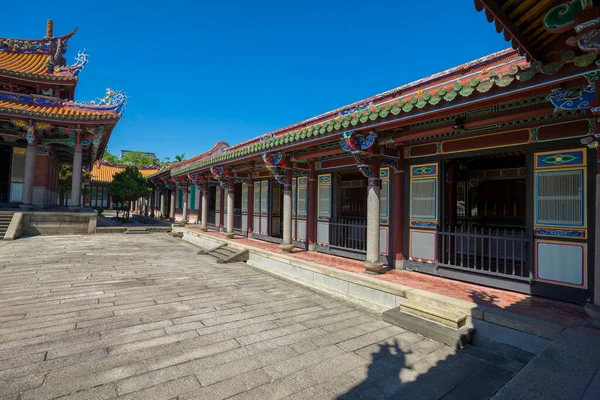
point(502, 349)
point(226, 255)
point(453, 319)
point(130, 231)
point(224, 252)
point(456, 338)
point(494, 358)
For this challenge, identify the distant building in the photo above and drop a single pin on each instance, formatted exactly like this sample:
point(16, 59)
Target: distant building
point(123, 152)
point(103, 172)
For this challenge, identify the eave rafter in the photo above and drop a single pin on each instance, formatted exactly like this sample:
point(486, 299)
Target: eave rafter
point(495, 14)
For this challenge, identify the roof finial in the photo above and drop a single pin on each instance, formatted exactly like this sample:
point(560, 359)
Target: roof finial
point(49, 29)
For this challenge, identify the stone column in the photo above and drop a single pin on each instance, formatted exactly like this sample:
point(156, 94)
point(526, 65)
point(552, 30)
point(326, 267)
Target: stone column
point(29, 171)
point(152, 202)
point(250, 222)
point(184, 205)
point(204, 219)
point(163, 203)
point(199, 194)
point(287, 245)
point(76, 182)
point(372, 263)
point(230, 194)
point(594, 309)
point(172, 205)
point(222, 213)
point(311, 226)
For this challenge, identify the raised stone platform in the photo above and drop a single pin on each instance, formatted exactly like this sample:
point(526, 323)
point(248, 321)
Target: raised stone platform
point(531, 335)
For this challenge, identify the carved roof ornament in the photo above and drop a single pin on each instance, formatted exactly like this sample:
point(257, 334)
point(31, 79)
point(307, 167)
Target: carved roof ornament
point(357, 143)
point(222, 175)
point(580, 16)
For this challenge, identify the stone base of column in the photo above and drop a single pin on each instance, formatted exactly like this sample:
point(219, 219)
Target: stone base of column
point(594, 312)
point(221, 229)
point(312, 247)
point(373, 268)
point(399, 264)
point(185, 221)
point(287, 247)
point(229, 235)
point(26, 207)
point(204, 229)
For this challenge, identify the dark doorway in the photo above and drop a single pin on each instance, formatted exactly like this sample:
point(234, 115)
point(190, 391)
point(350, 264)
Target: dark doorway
point(484, 229)
point(5, 161)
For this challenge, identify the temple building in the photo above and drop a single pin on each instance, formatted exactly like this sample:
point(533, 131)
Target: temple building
point(41, 124)
point(95, 193)
point(485, 173)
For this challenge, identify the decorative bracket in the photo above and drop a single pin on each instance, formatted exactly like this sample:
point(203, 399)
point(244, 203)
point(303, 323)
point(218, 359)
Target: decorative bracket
point(356, 143)
point(391, 163)
point(276, 165)
point(222, 175)
point(360, 147)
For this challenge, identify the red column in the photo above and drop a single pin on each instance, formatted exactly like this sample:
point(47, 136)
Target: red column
point(250, 205)
point(311, 226)
point(398, 213)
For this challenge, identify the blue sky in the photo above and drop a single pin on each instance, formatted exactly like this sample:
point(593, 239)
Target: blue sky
point(197, 72)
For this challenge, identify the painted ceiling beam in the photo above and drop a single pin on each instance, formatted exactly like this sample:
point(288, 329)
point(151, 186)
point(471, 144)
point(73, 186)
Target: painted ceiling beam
point(496, 14)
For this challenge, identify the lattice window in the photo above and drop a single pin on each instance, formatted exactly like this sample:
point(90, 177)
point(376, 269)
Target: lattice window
point(257, 197)
point(264, 195)
point(423, 198)
point(244, 197)
point(324, 199)
point(384, 199)
point(301, 204)
point(560, 197)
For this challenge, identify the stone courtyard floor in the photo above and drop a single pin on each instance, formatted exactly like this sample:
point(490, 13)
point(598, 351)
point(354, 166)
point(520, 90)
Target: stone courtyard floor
point(144, 316)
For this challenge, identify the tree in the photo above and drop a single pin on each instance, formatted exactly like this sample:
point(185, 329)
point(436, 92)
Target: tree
point(180, 157)
point(137, 158)
point(165, 162)
point(65, 181)
point(127, 186)
point(111, 158)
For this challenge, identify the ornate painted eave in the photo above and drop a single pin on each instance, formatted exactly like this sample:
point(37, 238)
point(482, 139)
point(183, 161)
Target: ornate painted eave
point(40, 59)
point(515, 75)
point(544, 29)
point(109, 108)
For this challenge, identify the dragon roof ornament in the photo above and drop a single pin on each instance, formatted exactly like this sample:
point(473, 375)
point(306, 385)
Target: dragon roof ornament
point(115, 101)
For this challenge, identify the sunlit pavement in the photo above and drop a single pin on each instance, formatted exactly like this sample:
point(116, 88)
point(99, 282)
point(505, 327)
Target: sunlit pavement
point(144, 316)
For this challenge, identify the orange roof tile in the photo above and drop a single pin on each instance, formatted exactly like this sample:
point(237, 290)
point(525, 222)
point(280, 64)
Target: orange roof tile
point(25, 63)
point(28, 58)
point(66, 111)
point(104, 172)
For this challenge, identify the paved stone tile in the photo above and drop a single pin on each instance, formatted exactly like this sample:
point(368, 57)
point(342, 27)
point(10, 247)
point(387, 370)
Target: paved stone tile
point(145, 317)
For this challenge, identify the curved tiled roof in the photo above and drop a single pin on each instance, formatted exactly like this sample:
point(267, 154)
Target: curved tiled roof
point(55, 111)
point(24, 62)
point(104, 172)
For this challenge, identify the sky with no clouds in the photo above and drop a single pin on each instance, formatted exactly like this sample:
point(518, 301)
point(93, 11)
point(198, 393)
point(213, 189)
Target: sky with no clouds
point(197, 72)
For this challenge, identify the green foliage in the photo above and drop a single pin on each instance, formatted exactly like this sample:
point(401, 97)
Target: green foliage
point(180, 157)
point(127, 186)
point(65, 181)
point(137, 158)
point(111, 158)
